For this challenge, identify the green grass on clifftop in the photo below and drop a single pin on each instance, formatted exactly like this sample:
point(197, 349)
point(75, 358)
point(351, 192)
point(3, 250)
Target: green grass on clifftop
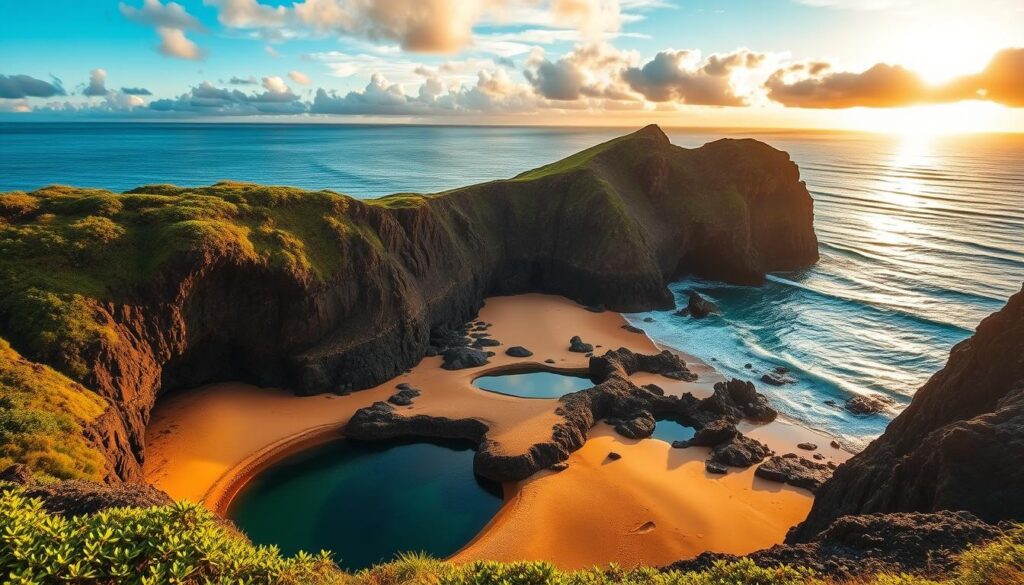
point(187, 544)
point(42, 414)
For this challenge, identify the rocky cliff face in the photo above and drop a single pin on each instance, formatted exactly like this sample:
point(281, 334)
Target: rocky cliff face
point(166, 287)
point(958, 446)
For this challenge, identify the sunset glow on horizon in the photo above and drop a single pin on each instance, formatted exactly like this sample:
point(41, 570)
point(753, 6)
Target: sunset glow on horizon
point(892, 66)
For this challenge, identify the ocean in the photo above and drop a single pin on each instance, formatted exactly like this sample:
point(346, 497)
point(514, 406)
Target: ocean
point(920, 237)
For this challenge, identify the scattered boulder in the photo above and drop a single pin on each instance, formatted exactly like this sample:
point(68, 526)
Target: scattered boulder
point(632, 329)
point(716, 468)
point(518, 351)
point(560, 466)
point(404, 396)
point(795, 471)
point(835, 444)
point(549, 361)
point(613, 456)
point(699, 307)
point(459, 358)
point(576, 345)
point(648, 319)
point(868, 404)
point(485, 342)
point(740, 451)
point(807, 446)
point(748, 365)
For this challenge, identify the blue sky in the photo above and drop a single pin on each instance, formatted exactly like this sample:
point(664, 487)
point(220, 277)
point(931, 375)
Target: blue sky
point(699, 62)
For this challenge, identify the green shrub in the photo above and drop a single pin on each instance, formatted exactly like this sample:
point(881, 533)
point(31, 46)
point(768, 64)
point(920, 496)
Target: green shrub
point(181, 543)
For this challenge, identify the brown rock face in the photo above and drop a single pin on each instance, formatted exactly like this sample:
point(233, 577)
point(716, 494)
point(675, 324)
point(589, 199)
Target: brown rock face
point(610, 229)
point(958, 446)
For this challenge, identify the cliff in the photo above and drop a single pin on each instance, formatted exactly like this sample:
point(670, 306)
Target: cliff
point(958, 446)
point(136, 294)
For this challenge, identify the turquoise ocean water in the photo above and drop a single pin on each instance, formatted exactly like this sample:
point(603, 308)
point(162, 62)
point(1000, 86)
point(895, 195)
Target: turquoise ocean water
point(920, 238)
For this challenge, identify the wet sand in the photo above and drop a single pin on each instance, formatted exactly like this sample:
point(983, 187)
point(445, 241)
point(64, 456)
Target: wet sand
point(654, 505)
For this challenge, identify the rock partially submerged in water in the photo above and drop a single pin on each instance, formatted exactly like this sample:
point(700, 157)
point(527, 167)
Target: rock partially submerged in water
point(795, 471)
point(698, 307)
point(778, 376)
point(868, 404)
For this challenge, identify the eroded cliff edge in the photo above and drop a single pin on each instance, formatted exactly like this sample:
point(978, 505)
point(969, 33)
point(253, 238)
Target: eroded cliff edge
point(958, 446)
point(163, 287)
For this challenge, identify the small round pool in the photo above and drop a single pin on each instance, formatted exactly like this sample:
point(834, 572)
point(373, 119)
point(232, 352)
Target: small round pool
point(535, 384)
point(365, 502)
point(670, 430)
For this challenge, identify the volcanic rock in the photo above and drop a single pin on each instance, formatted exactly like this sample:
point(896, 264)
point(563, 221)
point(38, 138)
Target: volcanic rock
point(740, 451)
point(868, 544)
point(638, 427)
point(518, 351)
point(698, 307)
point(737, 399)
point(959, 445)
point(869, 404)
point(794, 470)
point(460, 358)
point(576, 345)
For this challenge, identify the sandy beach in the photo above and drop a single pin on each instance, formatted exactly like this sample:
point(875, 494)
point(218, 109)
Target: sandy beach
point(654, 505)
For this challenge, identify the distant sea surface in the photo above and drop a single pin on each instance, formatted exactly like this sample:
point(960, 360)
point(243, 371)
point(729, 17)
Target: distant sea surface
point(920, 237)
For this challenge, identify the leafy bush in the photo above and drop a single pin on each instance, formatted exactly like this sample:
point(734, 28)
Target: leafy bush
point(181, 543)
point(186, 544)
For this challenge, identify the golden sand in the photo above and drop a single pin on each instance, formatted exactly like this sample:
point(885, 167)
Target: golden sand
point(654, 505)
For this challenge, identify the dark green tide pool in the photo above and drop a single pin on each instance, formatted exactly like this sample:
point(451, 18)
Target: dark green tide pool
point(538, 384)
point(365, 502)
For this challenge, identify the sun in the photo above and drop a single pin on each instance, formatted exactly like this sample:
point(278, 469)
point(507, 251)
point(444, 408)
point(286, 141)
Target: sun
point(930, 120)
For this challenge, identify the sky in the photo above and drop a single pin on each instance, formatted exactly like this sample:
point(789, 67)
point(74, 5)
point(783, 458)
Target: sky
point(909, 66)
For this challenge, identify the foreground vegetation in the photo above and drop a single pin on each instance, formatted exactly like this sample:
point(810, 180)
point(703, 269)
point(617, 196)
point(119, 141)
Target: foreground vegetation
point(185, 544)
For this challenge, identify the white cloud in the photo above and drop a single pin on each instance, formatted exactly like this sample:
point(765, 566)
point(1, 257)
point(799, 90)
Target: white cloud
point(174, 43)
point(170, 20)
point(430, 26)
point(299, 77)
point(97, 83)
point(153, 13)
